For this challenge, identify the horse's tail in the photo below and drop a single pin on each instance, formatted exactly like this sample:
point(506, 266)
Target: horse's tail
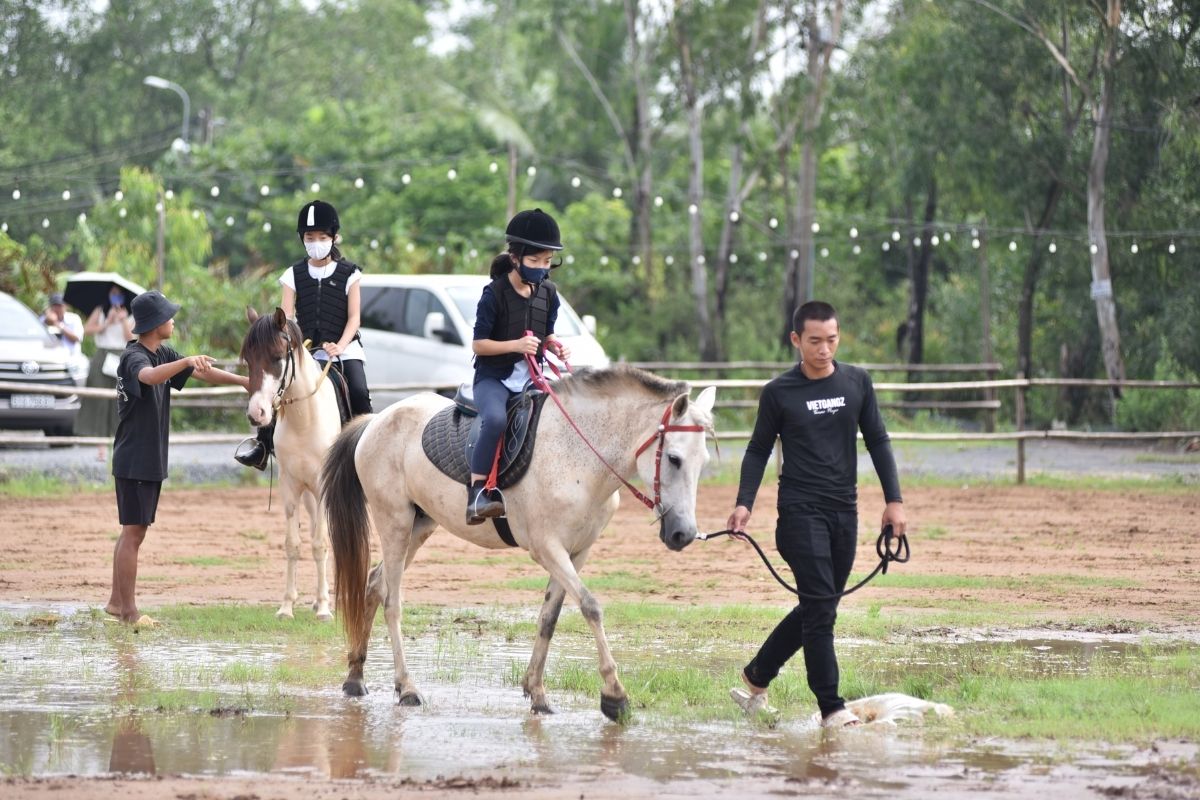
point(349, 531)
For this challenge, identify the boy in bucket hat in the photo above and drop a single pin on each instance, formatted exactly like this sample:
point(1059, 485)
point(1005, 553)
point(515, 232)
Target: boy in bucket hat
point(149, 368)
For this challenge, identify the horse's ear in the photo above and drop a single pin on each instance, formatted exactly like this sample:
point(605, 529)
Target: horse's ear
point(251, 314)
point(679, 408)
point(280, 319)
point(706, 400)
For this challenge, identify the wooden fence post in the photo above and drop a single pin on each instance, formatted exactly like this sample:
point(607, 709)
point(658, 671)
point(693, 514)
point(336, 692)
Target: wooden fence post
point(1020, 405)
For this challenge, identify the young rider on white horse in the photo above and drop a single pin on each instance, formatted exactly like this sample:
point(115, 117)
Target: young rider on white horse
point(515, 318)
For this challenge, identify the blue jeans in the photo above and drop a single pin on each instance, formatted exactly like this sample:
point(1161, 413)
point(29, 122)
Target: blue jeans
point(491, 398)
point(819, 546)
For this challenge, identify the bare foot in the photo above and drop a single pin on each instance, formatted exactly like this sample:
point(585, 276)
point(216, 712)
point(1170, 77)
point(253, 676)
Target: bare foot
point(112, 610)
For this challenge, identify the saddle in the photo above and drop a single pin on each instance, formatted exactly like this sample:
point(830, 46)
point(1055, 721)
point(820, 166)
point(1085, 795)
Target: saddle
point(449, 437)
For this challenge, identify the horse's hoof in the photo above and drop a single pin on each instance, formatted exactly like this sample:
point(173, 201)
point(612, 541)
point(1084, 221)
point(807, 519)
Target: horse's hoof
point(325, 617)
point(615, 708)
point(411, 699)
point(354, 689)
point(541, 708)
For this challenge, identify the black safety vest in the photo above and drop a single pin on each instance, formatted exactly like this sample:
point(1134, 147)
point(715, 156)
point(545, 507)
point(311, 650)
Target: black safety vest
point(322, 306)
point(516, 314)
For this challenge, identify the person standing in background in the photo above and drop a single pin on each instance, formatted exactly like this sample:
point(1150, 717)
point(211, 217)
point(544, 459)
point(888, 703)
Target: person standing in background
point(66, 326)
point(111, 326)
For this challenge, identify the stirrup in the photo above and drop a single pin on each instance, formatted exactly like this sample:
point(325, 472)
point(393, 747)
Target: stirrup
point(256, 455)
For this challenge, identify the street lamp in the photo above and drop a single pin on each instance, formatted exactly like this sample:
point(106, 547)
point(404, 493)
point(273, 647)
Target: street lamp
point(163, 83)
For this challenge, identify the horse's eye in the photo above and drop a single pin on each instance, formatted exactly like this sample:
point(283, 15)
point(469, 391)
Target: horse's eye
point(676, 461)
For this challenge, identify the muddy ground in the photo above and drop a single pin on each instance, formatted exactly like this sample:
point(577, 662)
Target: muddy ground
point(1132, 556)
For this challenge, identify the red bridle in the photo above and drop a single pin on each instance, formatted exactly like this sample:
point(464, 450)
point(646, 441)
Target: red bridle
point(660, 434)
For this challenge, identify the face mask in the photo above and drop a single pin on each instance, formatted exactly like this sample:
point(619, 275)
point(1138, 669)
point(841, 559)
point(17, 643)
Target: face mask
point(319, 249)
point(532, 275)
point(117, 299)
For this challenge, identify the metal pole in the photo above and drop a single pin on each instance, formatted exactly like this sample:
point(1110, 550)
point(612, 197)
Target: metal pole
point(160, 252)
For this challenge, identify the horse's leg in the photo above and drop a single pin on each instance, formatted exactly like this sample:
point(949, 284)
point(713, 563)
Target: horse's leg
point(395, 533)
point(320, 547)
point(614, 703)
point(291, 545)
point(532, 684)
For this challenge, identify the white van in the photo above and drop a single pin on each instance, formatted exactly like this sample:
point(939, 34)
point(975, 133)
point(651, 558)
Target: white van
point(417, 329)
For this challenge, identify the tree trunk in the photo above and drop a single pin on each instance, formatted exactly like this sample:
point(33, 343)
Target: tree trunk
point(641, 240)
point(1106, 309)
point(918, 291)
point(696, 258)
point(1033, 268)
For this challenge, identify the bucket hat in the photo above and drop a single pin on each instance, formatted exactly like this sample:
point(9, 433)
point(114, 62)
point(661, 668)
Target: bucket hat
point(151, 309)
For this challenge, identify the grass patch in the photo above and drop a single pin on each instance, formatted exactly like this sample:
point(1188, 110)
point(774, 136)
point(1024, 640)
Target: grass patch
point(253, 535)
point(219, 561)
point(620, 581)
point(40, 484)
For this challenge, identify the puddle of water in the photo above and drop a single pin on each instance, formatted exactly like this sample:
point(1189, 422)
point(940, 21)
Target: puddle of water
point(90, 719)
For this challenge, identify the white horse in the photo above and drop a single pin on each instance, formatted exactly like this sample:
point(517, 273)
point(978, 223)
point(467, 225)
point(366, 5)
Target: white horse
point(286, 383)
point(556, 512)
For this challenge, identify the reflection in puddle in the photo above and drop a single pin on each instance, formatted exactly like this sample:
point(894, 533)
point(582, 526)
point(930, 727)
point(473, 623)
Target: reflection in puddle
point(74, 702)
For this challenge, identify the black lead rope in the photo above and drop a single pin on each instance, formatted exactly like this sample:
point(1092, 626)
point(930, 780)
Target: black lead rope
point(883, 548)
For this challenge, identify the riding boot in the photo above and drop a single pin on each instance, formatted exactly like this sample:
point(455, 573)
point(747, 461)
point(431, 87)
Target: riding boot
point(260, 451)
point(482, 504)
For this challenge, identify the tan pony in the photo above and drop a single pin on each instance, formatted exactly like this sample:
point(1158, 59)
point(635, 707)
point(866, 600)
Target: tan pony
point(556, 511)
point(286, 384)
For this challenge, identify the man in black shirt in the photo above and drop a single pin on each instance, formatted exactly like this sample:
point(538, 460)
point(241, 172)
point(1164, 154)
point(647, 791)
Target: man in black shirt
point(148, 370)
point(816, 410)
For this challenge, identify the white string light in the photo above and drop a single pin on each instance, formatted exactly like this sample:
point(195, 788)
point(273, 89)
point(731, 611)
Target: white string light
point(410, 247)
point(170, 195)
point(267, 227)
point(733, 259)
point(1133, 248)
point(16, 194)
point(531, 171)
point(473, 253)
point(773, 223)
point(452, 173)
point(946, 236)
point(441, 251)
point(637, 260)
point(576, 182)
point(616, 191)
point(1171, 248)
point(66, 195)
point(895, 236)
point(856, 249)
point(82, 217)
point(816, 227)
point(854, 233)
point(669, 260)
point(359, 183)
point(1094, 248)
point(122, 212)
point(934, 240)
point(374, 244)
point(734, 216)
point(604, 261)
point(3, 227)
point(975, 244)
point(406, 179)
point(493, 167)
point(1012, 247)
point(692, 209)
point(794, 254)
point(158, 207)
point(824, 252)
point(214, 191)
point(315, 188)
point(886, 246)
point(264, 190)
point(119, 196)
point(658, 201)
point(229, 221)
point(570, 259)
point(196, 214)
point(700, 259)
point(1053, 248)
point(45, 222)
point(916, 241)
point(762, 256)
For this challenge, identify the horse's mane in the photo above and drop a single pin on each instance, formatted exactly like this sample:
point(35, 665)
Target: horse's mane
point(618, 378)
point(262, 335)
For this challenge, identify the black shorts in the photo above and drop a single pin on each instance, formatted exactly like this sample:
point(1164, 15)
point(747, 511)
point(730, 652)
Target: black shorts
point(137, 501)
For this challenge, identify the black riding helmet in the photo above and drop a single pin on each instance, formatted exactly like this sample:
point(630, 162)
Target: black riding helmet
point(318, 216)
point(534, 228)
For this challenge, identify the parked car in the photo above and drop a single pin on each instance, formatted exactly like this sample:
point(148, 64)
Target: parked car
point(29, 355)
point(418, 329)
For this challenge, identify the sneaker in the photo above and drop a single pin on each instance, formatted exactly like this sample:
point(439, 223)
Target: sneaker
point(753, 703)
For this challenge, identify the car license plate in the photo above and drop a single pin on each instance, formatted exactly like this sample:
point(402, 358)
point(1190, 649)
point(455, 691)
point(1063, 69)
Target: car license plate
point(31, 401)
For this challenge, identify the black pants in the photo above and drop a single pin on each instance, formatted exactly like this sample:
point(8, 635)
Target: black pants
point(356, 386)
point(819, 547)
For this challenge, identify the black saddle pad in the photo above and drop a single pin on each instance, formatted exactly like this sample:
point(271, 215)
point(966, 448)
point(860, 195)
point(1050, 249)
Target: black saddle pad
point(340, 390)
point(449, 434)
